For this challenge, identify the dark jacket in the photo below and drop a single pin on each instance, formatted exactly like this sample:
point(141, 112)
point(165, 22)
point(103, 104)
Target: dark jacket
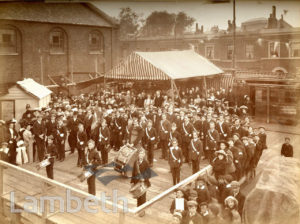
point(287, 150)
point(175, 157)
point(92, 158)
point(141, 172)
point(195, 149)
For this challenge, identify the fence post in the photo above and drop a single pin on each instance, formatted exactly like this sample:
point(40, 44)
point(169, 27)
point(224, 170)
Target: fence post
point(121, 217)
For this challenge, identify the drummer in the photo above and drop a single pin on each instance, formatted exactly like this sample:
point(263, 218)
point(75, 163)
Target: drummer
point(141, 173)
point(92, 160)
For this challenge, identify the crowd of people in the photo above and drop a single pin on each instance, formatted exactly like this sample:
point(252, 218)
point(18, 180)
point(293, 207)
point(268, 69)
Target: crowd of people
point(189, 128)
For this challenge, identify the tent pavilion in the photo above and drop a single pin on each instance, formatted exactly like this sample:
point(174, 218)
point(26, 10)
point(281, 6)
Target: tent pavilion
point(164, 65)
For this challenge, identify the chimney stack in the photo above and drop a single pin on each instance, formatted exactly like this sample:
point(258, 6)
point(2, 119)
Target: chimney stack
point(197, 27)
point(274, 11)
point(202, 29)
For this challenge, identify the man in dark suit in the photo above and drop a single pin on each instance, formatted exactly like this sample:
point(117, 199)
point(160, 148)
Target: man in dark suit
point(91, 161)
point(61, 136)
point(88, 120)
point(287, 148)
point(150, 139)
point(73, 128)
point(117, 130)
point(158, 99)
point(51, 126)
point(134, 138)
point(50, 154)
point(38, 130)
point(174, 134)
point(212, 139)
point(175, 161)
point(187, 135)
point(165, 127)
point(195, 152)
point(102, 139)
point(81, 144)
point(222, 128)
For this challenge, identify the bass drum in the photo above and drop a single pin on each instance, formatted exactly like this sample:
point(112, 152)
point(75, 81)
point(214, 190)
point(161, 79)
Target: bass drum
point(124, 160)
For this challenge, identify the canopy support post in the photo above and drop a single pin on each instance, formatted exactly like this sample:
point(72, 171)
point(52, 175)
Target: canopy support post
point(172, 88)
point(205, 87)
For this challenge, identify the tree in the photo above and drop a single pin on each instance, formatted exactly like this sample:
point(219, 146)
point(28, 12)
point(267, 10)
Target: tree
point(159, 23)
point(183, 22)
point(129, 22)
point(164, 23)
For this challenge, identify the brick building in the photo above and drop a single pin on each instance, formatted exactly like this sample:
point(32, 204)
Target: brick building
point(40, 39)
point(262, 45)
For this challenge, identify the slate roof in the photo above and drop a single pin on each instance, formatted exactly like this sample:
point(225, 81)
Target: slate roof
point(66, 13)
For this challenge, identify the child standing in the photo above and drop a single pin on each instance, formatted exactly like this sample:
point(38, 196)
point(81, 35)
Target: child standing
point(175, 161)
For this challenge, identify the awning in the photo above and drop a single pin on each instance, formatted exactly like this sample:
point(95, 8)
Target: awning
point(163, 65)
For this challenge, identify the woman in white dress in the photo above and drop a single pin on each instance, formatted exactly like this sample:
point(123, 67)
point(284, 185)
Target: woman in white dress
point(28, 142)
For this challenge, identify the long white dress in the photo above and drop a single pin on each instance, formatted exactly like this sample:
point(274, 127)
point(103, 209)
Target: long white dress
point(28, 140)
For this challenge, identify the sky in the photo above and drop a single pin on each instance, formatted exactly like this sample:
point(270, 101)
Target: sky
point(207, 14)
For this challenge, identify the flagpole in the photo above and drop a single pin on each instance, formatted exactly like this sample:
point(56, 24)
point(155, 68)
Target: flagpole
point(233, 50)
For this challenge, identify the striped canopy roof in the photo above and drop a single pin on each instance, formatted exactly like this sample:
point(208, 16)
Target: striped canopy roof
point(163, 65)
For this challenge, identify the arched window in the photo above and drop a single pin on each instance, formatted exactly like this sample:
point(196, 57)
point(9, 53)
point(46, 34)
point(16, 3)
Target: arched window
point(8, 40)
point(57, 41)
point(96, 42)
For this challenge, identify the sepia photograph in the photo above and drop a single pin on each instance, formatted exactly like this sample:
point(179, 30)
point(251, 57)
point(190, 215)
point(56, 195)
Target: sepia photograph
point(149, 112)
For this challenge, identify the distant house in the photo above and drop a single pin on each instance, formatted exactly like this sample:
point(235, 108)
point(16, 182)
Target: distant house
point(13, 102)
point(262, 45)
point(39, 39)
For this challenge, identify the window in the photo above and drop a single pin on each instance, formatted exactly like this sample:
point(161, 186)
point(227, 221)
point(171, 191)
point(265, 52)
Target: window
point(57, 41)
point(274, 49)
point(209, 52)
point(249, 51)
point(295, 49)
point(229, 52)
point(274, 95)
point(8, 42)
point(290, 97)
point(96, 42)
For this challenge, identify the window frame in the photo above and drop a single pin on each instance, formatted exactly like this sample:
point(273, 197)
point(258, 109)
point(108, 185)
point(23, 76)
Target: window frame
point(12, 48)
point(269, 48)
point(291, 48)
point(213, 51)
point(60, 47)
point(229, 46)
point(98, 49)
point(246, 55)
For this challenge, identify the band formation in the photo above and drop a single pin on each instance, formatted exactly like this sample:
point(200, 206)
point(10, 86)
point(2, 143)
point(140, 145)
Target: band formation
point(192, 128)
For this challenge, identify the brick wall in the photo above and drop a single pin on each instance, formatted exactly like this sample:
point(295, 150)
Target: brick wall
point(34, 47)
